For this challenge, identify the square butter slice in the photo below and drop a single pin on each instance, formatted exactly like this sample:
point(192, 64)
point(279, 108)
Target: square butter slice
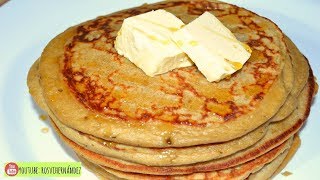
point(212, 47)
point(146, 41)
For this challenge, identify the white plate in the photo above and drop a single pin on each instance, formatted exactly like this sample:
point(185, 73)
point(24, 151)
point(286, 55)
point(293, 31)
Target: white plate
point(27, 26)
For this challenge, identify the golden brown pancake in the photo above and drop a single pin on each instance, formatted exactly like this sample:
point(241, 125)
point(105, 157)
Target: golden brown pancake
point(94, 90)
point(125, 124)
point(162, 156)
point(179, 156)
point(293, 149)
point(239, 172)
point(277, 134)
point(153, 156)
point(276, 165)
point(301, 73)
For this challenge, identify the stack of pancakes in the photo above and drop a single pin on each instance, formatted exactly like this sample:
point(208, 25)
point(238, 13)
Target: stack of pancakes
point(124, 124)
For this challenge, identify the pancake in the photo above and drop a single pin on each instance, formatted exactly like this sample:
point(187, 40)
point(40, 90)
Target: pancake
point(166, 156)
point(267, 171)
point(147, 156)
point(239, 172)
point(124, 124)
point(276, 135)
point(301, 72)
point(278, 164)
point(96, 91)
point(191, 152)
point(35, 89)
point(162, 156)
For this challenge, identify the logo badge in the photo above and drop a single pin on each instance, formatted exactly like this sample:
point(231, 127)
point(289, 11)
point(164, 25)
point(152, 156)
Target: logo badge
point(11, 169)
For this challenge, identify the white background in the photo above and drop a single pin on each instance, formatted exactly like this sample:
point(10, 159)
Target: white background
point(27, 26)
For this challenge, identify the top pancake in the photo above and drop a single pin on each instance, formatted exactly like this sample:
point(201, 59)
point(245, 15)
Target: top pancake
point(91, 88)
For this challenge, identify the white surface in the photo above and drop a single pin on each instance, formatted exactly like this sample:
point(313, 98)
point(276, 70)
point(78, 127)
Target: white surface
point(27, 26)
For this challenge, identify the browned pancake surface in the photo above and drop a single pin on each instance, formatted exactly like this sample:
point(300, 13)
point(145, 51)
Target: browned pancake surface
point(240, 172)
point(93, 89)
point(277, 134)
point(108, 83)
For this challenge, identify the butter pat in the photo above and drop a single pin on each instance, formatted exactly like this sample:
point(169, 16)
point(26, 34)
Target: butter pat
point(212, 47)
point(146, 41)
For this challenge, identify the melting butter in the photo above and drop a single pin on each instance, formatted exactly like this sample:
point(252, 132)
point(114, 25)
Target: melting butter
point(146, 41)
point(158, 42)
point(212, 47)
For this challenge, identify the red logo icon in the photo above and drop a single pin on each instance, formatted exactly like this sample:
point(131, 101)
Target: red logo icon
point(11, 169)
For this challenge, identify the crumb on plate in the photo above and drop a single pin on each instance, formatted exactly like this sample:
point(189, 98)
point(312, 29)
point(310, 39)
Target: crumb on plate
point(45, 130)
point(286, 173)
point(43, 117)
